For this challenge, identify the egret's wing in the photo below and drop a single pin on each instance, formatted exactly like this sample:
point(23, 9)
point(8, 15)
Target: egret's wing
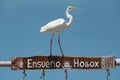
point(56, 22)
point(53, 25)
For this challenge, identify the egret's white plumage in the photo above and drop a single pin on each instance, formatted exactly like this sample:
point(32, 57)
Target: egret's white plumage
point(56, 26)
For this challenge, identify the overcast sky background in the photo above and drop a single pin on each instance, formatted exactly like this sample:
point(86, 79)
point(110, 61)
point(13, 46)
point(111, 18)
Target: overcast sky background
point(95, 31)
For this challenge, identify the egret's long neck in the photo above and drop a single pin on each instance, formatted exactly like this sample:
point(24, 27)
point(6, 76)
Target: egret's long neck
point(69, 17)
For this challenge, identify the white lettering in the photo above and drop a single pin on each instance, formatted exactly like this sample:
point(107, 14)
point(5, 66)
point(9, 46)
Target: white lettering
point(96, 64)
point(76, 63)
point(42, 64)
point(47, 64)
point(29, 60)
point(92, 64)
point(85, 64)
point(82, 64)
point(58, 64)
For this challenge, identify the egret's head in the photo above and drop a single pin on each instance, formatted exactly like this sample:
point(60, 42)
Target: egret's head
point(71, 8)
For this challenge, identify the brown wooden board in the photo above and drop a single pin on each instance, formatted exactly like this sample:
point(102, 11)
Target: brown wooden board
point(59, 62)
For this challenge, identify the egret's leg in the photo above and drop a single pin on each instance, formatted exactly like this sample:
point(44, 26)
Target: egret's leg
point(51, 44)
point(60, 44)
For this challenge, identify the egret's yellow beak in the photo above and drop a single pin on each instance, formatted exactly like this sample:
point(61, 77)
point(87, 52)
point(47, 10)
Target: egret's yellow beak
point(74, 8)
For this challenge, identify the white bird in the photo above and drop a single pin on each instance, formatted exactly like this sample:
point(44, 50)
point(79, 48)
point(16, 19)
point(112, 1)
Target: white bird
point(56, 26)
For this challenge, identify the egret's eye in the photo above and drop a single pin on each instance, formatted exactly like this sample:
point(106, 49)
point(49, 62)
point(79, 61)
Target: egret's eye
point(70, 8)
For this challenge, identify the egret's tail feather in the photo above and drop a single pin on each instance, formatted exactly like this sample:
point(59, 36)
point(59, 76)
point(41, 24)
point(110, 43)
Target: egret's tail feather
point(42, 30)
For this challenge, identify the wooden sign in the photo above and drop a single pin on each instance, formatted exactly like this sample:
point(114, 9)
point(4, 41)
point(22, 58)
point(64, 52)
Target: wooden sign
point(59, 62)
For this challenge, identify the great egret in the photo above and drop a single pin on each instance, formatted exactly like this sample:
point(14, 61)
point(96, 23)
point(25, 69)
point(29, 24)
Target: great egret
point(56, 26)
